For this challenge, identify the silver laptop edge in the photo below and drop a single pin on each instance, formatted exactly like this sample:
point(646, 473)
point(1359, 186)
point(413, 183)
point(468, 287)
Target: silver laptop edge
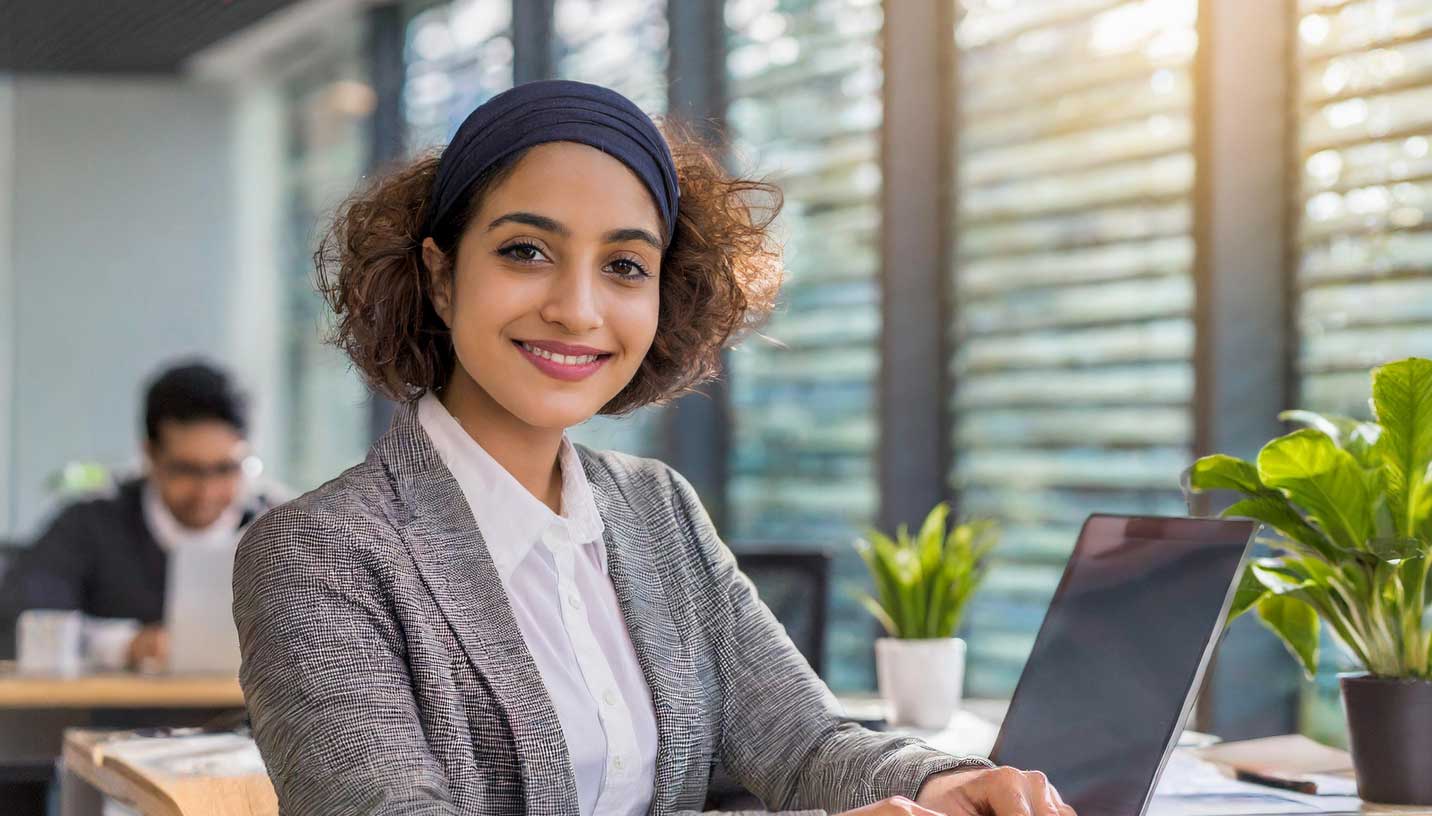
point(1197, 685)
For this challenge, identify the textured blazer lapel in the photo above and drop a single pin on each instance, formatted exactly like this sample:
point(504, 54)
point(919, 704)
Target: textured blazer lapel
point(666, 661)
point(437, 525)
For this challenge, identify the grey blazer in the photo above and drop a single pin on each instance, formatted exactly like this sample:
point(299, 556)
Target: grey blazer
point(385, 674)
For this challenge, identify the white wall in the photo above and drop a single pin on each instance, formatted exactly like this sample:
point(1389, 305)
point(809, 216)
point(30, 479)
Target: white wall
point(123, 256)
point(254, 330)
point(7, 295)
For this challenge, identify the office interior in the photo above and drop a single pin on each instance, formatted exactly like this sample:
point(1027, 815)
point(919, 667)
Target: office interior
point(1040, 256)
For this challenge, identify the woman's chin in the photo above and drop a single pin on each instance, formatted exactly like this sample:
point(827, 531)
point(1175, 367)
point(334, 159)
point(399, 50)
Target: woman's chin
point(556, 413)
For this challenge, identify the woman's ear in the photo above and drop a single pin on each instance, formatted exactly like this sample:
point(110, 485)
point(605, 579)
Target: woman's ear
point(440, 279)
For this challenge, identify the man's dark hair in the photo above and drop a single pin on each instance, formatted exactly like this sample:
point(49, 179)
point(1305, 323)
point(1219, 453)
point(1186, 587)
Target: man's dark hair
point(192, 392)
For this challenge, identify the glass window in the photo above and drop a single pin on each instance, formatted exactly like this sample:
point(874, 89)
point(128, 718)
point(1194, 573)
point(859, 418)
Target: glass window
point(1072, 325)
point(805, 88)
point(457, 56)
point(329, 105)
point(621, 44)
point(1364, 272)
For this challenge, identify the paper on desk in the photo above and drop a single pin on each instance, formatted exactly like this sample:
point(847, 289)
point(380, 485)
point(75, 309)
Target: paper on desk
point(1288, 754)
point(1192, 787)
point(195, 755)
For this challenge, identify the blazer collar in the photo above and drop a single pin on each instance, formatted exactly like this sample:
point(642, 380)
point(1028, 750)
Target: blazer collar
point(436, 525)
point(440, 531)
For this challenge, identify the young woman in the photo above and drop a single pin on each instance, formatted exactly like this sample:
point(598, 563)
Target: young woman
point(485, 618)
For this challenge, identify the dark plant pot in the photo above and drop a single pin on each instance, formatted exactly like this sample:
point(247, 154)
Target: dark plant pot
point(1390, 733)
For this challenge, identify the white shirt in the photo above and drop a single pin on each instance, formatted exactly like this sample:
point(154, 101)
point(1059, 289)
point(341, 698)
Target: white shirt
point(567, 610)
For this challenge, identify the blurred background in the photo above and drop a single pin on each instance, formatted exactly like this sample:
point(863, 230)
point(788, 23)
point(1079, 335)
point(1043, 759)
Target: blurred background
point(1041, 253)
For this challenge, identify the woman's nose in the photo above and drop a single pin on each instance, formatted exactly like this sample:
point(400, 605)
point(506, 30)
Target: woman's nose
point(573, 302)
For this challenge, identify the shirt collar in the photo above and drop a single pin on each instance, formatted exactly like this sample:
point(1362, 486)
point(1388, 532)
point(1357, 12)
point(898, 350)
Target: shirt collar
point(511, 519)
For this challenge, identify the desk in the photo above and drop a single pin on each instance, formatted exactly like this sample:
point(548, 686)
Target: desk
point(240, 788)
point(976, 725)
point(221, 777)
point(35, 711)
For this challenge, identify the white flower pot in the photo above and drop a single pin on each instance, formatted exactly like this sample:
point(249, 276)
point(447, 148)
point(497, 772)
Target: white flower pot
point(921, 681)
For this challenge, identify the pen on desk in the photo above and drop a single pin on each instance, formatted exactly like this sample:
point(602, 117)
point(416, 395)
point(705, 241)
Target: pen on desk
point(1291, 783)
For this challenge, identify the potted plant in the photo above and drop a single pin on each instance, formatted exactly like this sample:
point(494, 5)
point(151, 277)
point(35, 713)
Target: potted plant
point(922, 586)
point(1351, 503)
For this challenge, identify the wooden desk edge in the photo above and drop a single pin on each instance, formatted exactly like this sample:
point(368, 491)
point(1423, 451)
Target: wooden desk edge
point(113, 781)
point(120, 691)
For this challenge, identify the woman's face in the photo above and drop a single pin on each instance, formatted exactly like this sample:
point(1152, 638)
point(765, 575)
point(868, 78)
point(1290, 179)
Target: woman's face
point(553, 302)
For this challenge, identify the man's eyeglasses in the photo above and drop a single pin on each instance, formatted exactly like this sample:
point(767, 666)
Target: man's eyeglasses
point(249, 466)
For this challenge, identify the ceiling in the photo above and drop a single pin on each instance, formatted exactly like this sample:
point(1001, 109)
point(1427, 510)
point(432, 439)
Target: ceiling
point(118, 36)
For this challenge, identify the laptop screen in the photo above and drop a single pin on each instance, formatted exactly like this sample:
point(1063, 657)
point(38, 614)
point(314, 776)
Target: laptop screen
point(1119, 656)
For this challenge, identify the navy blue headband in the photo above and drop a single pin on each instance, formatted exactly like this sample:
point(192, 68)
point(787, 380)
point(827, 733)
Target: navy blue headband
point(556, 111)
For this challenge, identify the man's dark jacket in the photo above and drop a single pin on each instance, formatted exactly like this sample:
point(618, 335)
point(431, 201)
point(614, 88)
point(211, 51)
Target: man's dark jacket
point(98, 556)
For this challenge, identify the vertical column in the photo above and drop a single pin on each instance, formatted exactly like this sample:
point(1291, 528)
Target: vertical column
point(698, 426)
point(1242, 360)
point(532, 41)
point(384, 48)
point(8, 330)
point(917, 171)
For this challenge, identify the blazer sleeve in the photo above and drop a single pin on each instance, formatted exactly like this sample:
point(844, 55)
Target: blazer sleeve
point(325, 677)
point(783, 735)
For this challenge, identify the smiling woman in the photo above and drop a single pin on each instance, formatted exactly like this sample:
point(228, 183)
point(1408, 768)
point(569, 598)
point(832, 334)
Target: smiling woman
point(483, 617)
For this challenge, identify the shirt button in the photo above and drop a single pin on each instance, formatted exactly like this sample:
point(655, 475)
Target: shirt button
point(618, 763)
point(610, 697)
point(574, 600)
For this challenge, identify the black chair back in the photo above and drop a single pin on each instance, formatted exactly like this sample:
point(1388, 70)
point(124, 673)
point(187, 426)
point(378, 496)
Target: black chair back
point(795, 583)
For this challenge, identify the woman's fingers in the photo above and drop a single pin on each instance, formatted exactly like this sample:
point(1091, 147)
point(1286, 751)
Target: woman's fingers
point(894, 806)
point(1000, 791)
point(1014, 792)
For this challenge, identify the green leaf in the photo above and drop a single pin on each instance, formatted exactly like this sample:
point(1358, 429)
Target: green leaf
point(1296, 624)
point(1274, 510)
point(923, 583)
point(1402, 402)
point(1250, 591)
point(875, 609)
point(878, 552)
point(1220, 472)
point(1324, 479)
point(1395, 548)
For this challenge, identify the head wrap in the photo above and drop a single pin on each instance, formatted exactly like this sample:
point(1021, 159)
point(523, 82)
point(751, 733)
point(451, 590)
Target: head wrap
point(556, 111)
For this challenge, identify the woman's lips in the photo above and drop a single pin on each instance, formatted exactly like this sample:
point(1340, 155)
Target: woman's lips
point(561, 371)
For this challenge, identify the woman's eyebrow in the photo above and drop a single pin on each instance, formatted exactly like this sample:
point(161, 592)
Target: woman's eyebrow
point(541, 222)
point(551, 225)
point(618, 236)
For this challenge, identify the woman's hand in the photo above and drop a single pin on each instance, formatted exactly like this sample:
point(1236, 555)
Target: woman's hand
point(991, 792)
point(894, 806)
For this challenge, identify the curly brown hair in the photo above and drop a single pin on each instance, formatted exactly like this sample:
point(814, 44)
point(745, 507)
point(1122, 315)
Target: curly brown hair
point(719, 275)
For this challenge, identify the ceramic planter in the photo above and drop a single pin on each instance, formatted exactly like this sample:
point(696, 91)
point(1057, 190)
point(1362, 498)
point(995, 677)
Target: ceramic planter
point(921, 681)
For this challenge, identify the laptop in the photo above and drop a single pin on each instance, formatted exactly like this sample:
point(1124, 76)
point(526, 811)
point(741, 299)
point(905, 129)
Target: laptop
point(1120, 656)
point(198, 609)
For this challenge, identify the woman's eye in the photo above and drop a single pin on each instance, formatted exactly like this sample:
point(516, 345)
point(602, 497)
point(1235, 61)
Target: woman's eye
point(524, 253)
point(629, 269)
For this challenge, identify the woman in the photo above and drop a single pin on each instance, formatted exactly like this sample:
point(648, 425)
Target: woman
point(484, 618)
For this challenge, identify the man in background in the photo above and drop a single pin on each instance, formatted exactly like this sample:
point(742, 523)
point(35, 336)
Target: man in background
point(108, 556)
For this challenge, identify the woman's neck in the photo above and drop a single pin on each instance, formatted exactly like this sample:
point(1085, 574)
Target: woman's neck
point(530, 454)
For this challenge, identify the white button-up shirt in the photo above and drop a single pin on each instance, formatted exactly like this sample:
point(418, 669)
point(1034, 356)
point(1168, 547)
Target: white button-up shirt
point(567, 610)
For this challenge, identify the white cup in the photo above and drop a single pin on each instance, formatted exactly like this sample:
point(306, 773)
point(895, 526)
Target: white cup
point(107, 642)
point(49, 642)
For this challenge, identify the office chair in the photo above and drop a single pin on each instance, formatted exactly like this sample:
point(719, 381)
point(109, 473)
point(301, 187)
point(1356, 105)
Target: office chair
point(795, 584)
